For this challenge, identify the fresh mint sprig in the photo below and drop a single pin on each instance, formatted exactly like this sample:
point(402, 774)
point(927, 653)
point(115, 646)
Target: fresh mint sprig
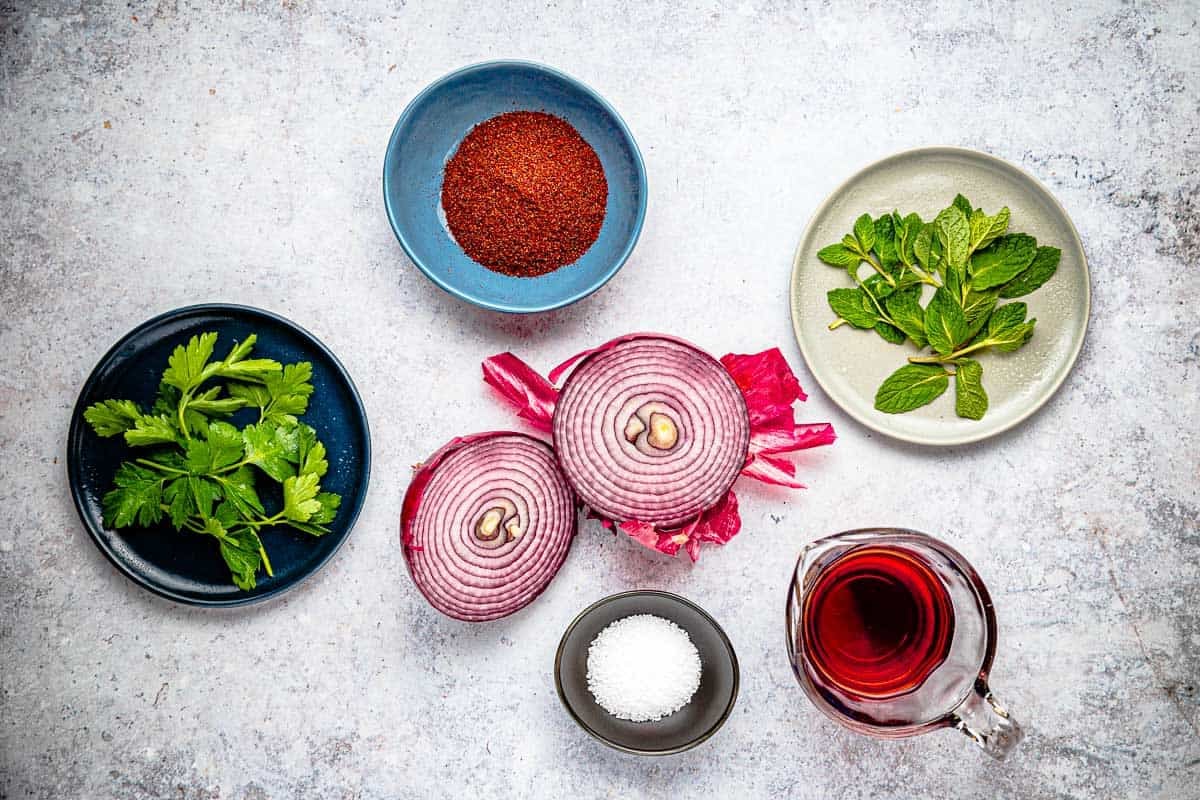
point(198, 471)
point(972, 262)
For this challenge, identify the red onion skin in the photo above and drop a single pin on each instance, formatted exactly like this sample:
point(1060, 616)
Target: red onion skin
point(412, 499)
point(576, 364)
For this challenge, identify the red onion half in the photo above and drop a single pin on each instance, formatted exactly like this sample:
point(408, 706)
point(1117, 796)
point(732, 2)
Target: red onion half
point(486, 524)
point(651, 428)
point(648, 431)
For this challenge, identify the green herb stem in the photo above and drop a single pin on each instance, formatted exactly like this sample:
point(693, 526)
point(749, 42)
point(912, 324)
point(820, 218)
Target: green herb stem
point(145, 462)
point(262, 551)
point(837, 323)
point(950, 359)
point(882, 272)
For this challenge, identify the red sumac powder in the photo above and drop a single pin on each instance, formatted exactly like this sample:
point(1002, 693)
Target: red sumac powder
point(524, 194)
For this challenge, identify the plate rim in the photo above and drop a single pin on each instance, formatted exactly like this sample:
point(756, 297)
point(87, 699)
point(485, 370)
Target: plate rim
point(537, 66)
point(971, 437)
point(75, 432)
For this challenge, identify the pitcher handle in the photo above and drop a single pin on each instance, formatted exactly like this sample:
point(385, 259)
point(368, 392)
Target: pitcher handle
point(982, 718)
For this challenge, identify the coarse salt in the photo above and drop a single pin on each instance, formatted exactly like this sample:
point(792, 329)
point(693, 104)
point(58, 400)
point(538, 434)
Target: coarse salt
point(642, 668)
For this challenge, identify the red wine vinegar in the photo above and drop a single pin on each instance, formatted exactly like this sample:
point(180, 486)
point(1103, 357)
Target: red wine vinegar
point(877, 622)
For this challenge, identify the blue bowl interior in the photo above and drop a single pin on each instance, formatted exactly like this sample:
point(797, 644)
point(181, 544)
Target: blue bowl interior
point(428, 134)
point(188, 567)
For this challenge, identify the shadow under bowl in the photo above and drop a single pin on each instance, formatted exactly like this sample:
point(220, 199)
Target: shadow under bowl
point(429, 132)
point(689, 726)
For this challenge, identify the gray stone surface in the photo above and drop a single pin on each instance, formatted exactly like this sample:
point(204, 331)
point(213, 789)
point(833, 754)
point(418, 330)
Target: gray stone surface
point(155, 155)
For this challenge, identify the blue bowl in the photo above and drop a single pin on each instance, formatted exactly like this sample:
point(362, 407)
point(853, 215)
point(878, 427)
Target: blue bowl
point(185, 567)
point(429, 132)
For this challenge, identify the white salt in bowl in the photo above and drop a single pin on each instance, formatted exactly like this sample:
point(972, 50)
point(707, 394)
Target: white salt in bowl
point(691, 725)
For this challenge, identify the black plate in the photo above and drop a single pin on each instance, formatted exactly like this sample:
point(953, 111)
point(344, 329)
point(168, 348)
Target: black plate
point(687, 727)
point(186, 567)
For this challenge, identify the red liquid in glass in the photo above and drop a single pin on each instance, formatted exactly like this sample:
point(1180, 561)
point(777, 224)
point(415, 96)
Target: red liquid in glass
point(877, 622)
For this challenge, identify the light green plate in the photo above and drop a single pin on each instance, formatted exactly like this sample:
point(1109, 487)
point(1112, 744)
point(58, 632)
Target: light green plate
point(850, 364)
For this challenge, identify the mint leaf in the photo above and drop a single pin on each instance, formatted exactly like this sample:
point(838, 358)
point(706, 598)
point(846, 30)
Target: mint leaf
point(1012, 338)
point(864, 232)
point(838, 255)
point(945, 323)
point(912, 227)
point(1041, 269)
point(954, 234)
point(905, 309)
point(186, 368)
point(1007, 316)
point(1003, 261)
point(985, 229)
point(885, 241)
point(151, 431)
point(971, 401)
point(963, 205)
point(299, 497)
point(110, 417)
point(911, 386)
point(850, 305)
point(878, 287)
point(977, 306)
point(889, 333)
point(267, 446)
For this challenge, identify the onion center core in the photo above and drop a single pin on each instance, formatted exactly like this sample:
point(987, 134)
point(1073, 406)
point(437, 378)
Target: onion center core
point(653, 425)
point(498, 523)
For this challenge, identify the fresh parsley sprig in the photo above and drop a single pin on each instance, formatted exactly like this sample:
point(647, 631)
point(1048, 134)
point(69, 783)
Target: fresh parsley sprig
point(972, 262)
point(199, 471)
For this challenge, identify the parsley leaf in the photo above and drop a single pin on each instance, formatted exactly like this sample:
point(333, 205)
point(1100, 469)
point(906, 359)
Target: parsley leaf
point(150, 431)
point(187, 364)
point(271, 448)
point(110, 417)
point(299, 497)
point(137, 497)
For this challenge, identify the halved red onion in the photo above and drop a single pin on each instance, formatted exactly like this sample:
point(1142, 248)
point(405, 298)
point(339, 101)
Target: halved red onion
point(486, 524)
point(768, 388)
point(650, 428)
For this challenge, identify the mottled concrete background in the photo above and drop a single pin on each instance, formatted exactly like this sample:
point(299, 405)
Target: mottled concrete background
point(157, 155)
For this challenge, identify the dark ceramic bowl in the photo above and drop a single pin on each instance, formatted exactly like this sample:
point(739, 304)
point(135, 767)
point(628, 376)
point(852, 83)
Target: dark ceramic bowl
point(187, 567)
point(687, 727)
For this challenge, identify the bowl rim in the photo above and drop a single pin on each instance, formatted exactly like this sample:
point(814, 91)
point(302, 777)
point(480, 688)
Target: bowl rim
point(75, 432)
point(578, 85)
point(688, 745)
